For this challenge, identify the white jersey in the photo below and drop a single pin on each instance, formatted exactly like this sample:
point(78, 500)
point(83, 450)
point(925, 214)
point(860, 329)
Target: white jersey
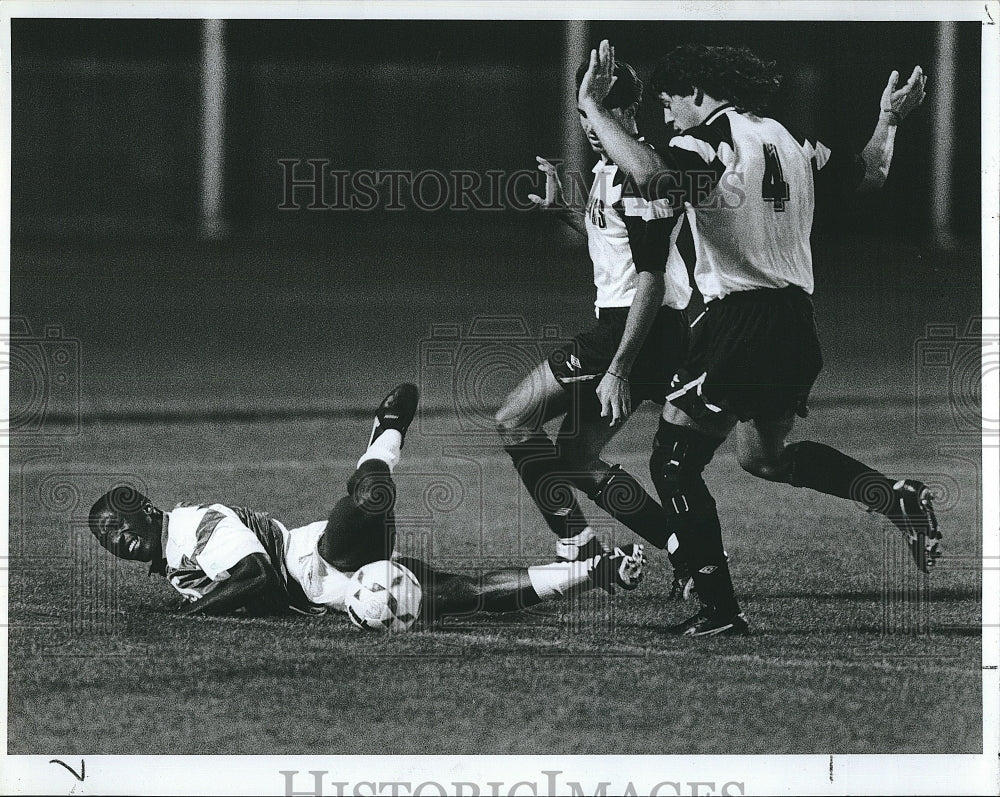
point(627, 234)
point(749, 191)
point(201, 543)
point(323, 584)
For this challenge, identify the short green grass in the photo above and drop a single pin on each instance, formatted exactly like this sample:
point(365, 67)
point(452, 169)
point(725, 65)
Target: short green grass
point(851, 653)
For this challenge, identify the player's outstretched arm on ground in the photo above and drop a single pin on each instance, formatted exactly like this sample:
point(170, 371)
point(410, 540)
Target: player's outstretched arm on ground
point(640, 161)
point(894, 107)
point(555, 200)
point(252, 581)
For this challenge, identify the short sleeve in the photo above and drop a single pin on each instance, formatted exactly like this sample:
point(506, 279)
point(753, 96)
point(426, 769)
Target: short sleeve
point(838, 170)
point(222, 542)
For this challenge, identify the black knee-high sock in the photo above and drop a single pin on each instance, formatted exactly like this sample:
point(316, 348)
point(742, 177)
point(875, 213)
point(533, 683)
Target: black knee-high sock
point(537, 462)
point(700, 537)
point(829, 471)
point(621, 496)
point(679, 457)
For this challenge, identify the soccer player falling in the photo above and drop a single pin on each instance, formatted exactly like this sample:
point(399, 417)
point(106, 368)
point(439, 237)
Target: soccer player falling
point(754, 351)
point(222, 559)
point(626, 358)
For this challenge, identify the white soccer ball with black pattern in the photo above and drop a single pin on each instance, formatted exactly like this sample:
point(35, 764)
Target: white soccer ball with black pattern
point(384, 596)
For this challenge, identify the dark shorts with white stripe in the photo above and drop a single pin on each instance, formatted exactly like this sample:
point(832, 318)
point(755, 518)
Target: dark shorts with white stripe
point(585, 359)
point(753, 353)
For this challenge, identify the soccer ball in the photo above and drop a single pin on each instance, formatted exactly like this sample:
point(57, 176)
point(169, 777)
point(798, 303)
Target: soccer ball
point(384, 596)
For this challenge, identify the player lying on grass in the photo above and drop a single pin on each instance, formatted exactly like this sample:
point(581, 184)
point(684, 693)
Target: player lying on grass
point(627, 357)
point(754, 351)
point(222, 558)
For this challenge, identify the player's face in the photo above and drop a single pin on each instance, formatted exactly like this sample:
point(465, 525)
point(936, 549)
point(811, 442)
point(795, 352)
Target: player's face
point(135, 536)
point(588, 129)
point(680, 111)
point(669, 121)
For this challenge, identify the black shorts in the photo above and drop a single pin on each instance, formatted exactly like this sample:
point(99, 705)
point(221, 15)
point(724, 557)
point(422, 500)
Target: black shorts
point(585, 359)
point(754, 353)
point(361, 527)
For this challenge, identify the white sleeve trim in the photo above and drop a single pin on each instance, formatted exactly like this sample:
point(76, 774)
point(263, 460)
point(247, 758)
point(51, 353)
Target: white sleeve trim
point(701, 148)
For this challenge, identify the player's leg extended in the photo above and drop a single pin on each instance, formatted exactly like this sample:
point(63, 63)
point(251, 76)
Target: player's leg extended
point(681, 450)
point(907, 503)
point(361, 527)
point(537, 399)
point(514, 588)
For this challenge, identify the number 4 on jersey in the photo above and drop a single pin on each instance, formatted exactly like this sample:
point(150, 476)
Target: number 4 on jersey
point(774, 189)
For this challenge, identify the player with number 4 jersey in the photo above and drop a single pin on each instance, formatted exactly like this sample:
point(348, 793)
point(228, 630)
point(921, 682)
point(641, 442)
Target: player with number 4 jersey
point(747, 188)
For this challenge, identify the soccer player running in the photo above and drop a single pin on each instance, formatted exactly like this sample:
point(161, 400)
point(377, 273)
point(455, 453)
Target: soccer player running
point(627, 357)
point(754, 351)
point(222, 559)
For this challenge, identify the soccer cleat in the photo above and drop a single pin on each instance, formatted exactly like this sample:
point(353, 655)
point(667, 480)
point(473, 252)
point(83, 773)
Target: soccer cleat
point(708, 622)
point(682, 587)
point(583, 546)
point(396, 411)
point(622, 567)
point(913, 514)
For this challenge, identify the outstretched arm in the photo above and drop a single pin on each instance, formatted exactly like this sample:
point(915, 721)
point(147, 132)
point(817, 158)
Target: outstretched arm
point(252, 581)
point(555, 200)
point(641, 162)
point(896, 104)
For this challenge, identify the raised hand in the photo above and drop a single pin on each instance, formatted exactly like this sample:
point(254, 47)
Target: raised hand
point(898, 103)
point(600, 75)
point(553, 186)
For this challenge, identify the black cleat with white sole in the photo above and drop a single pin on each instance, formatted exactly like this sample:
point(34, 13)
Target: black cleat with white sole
point(709, 622)
point(913, 514)
point(620, 568)
point(396, 410)
point(682, 586)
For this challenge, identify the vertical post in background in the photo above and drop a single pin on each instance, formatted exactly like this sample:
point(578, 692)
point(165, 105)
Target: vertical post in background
point(213, 108)
point(943, 141)
point(571, 141)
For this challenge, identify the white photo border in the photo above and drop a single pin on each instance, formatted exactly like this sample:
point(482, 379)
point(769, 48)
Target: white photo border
point(667, 775)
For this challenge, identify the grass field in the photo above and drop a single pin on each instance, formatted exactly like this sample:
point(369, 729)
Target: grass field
point(852, 652)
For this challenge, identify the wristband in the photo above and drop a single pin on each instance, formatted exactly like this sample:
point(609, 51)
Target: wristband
point(894, 117)
point(616, 376)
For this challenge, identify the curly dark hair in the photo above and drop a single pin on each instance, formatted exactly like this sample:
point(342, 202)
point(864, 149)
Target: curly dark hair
point(725, 73)
point(626, 90)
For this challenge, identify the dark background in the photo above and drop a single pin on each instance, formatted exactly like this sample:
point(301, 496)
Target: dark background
point(106, 115)
point(293, 309)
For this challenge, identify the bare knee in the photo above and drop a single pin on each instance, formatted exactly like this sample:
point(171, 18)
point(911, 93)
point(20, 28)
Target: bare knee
point(513, 423)
point(763, 466)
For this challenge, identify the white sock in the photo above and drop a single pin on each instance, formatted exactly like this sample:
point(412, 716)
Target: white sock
point(386, 448)
point(559, 578)
point(569, 547)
